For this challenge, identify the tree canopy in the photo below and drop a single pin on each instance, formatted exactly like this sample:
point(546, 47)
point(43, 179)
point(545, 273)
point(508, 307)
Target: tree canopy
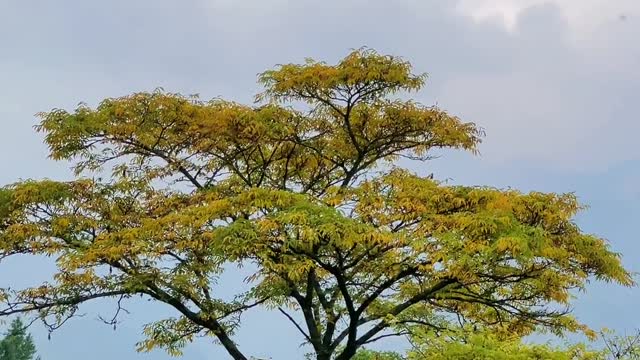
point(302, 188)
point(483, 344)
point(17, 343)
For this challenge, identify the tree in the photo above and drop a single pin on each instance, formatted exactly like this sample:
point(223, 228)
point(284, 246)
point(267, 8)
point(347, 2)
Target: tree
point(301, 189)
point(621, 347)
point(17, 344)
point(487, 345)
point(480, 347)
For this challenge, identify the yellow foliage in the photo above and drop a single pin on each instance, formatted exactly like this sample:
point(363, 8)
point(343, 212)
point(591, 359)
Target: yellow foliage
point(201, 187)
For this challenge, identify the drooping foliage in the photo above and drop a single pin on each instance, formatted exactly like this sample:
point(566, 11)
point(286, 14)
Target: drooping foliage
point(349, 248)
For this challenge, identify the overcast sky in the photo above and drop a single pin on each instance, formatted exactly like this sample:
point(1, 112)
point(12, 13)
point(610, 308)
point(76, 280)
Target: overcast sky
point(555, 83)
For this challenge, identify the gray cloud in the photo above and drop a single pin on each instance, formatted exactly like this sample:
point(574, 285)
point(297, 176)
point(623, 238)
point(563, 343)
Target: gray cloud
point(540, 95)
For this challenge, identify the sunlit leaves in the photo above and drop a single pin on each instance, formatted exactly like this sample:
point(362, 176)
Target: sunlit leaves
point(487, 346)
point(362, 75)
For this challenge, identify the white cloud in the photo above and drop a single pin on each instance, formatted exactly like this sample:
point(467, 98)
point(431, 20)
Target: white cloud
point(583, 16)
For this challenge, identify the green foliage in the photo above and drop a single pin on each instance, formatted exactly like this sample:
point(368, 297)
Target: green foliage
point(17, 343)
point(487, 345)
point(360, 250)
point(366, 354)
